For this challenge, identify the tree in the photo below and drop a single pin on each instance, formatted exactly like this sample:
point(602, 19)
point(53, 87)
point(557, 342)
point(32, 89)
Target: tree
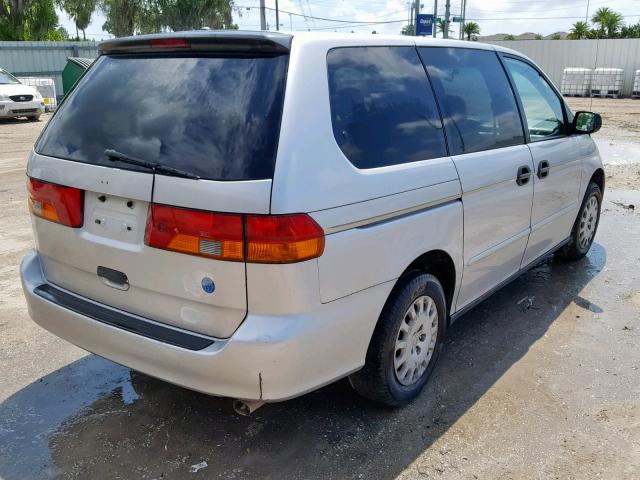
point(471, 29)
point(440, 27)
point(80, 12)
point(538, 36)
point(194, 14)
point(126, 17)
point(408, 29)
point(508, 36)
point(28, 20)
point(608, 21)
point(556, 36)
point(630, 31)
point(578, 31)
point(11, 15)
point(122, 16)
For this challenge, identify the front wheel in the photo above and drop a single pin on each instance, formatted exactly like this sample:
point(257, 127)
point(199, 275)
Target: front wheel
point(585, 226)
point(406, 342)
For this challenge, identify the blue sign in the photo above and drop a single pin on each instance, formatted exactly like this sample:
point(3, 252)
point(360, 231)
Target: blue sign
point(424, 24)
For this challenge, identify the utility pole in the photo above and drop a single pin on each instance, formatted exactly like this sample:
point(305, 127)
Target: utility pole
point(263, 18)
point(277, 17)
point(447, 13)
point(411, 17)
point(586, 17)
point(464, 18)
point(461, 32)
point(435, 18)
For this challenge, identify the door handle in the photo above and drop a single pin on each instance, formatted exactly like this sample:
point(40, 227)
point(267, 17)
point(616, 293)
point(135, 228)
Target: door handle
point(543, 169)
point(524, 173)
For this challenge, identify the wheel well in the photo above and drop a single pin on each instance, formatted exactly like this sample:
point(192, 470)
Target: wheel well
point(440, 264)
point(598, 177)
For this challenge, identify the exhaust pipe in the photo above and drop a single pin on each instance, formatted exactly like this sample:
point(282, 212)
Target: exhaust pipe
point(246, 407)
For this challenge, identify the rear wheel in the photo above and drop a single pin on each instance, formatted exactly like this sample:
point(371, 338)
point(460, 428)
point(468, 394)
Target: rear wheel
point(585, 226)
point(406, 342)
point(34, 118)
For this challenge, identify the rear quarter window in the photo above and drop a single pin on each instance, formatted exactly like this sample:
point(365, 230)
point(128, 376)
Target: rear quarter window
point(215, 116)
point(382, 107)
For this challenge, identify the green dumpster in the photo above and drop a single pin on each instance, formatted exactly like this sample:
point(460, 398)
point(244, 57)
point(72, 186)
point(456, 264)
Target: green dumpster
point(73, 70)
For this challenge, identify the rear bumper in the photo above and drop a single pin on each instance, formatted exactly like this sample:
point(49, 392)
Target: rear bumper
point(269, 357)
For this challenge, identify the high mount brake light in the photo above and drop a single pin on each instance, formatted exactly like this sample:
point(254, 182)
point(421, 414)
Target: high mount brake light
point(169, 43)
point(56, 203)
point(235, 237)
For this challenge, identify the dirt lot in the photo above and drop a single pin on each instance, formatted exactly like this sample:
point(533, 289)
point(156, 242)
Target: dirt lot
point(542, 380)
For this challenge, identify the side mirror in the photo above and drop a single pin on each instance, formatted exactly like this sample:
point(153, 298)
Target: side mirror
point(586, 122)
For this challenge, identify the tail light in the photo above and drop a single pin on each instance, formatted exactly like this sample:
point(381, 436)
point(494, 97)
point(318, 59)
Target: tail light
point(283, 238)
point(56, 203)
point(234, 237)
point(215, 235)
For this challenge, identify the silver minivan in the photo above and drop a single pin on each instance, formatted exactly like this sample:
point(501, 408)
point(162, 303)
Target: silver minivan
point(255, 215)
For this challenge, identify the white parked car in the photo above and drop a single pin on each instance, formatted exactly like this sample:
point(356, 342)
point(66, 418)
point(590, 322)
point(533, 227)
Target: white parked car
point(254, 215)
point(18, 100)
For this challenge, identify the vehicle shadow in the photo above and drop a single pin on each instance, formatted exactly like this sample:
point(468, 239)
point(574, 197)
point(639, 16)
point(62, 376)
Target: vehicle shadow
point(94, 419)
point(14, 120)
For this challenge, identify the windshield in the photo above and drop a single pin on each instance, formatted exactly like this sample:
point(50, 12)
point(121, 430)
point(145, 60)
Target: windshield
point(6, 77)
point(217, 117)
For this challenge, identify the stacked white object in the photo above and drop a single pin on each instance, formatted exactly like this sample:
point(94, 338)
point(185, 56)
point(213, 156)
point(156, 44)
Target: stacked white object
point(635, 93)
point(607, 82)
point(47, 88)
point(576, 81)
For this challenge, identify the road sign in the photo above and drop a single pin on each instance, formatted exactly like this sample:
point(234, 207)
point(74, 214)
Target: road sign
point(424, 24)
point(456, 19)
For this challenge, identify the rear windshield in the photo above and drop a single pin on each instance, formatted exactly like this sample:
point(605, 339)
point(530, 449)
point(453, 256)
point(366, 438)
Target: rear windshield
point(215, 116)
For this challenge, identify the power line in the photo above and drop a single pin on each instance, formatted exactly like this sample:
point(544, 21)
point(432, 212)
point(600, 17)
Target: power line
point(477, 10)
point(537, 18)
point(354, 25)
point(319, 18)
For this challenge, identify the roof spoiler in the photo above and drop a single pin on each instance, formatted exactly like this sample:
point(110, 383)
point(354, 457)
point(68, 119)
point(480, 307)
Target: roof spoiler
point(203, 40)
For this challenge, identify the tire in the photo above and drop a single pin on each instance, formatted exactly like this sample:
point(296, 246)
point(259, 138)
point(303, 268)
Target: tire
point(586, 224)
point(380, 378)
point(34, 118)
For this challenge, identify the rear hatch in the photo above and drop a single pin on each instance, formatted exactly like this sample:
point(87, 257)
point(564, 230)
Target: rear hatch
point(203, 103)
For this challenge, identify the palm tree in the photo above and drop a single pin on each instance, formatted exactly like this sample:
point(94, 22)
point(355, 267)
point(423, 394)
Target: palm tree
point(608, 21)
point(471, 29)
point(80, 12)
point(409, 29)
point(579, 30)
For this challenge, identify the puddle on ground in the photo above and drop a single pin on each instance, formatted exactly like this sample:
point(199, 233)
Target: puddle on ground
point(618, 152)
point(29, 418)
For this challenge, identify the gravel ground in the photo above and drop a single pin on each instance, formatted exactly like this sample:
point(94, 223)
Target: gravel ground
point(542, 380)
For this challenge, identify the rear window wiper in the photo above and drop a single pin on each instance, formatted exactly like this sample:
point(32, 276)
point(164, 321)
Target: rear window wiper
point(116, 156)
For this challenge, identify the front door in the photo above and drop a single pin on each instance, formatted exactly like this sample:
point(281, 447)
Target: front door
point(487, 144)
point(556, 183)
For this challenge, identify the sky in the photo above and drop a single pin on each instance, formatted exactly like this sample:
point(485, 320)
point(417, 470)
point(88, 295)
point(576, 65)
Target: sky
point(493, 16)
